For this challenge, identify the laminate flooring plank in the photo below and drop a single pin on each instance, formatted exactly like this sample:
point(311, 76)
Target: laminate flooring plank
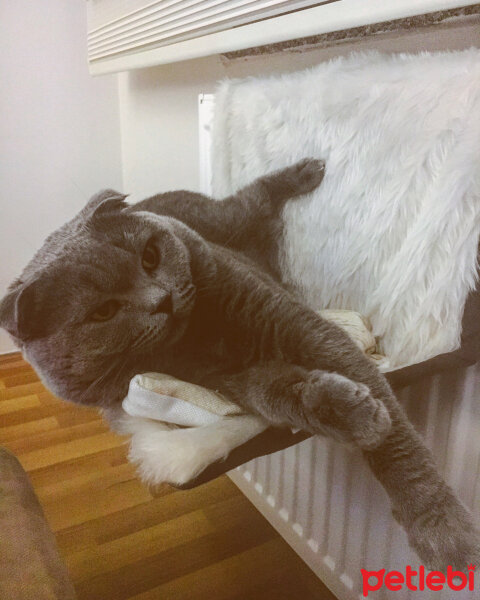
point(124, 541)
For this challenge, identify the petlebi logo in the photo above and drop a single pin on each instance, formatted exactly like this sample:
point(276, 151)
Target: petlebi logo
point(418, 580)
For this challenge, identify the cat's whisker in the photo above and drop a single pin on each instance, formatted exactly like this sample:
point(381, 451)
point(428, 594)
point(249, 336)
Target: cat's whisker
point(146, 337)
point(119, 369)
point(138, 342)
point(97, 381)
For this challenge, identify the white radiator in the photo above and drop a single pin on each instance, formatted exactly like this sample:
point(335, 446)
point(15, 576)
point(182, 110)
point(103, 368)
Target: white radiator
point(324, 501)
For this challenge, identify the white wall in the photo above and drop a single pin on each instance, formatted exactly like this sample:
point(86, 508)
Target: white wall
point(59, 128)
point(159, 105)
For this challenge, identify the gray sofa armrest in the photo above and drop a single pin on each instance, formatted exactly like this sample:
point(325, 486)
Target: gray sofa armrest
point(30, 564)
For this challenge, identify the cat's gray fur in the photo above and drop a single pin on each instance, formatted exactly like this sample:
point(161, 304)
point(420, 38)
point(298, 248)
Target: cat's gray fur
point(214, 313)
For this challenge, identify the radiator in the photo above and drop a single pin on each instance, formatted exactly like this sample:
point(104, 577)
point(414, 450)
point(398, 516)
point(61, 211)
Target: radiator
point(324, 501)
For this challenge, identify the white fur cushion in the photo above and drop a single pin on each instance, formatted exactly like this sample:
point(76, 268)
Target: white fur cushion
point(392, 232)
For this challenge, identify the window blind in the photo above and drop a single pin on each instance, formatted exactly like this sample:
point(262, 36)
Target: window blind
point(129, 34)
point(128, 26)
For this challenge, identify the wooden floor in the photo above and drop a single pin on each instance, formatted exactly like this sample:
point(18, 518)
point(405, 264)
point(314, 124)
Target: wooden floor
point(122, 541)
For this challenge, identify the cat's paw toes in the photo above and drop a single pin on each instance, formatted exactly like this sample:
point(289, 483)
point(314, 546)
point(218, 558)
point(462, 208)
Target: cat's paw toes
point(309, 174)
point(348, 408)
point(445, 536)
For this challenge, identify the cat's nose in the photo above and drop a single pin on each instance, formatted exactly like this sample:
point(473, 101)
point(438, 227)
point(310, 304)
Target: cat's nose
point(164, 306)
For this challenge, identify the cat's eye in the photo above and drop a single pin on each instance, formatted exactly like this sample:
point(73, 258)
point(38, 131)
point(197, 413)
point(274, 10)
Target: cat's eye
point(106, 311)
point(150, 257)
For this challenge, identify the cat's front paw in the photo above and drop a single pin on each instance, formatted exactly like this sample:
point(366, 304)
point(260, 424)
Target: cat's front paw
point(445, 535)
point(347, 408)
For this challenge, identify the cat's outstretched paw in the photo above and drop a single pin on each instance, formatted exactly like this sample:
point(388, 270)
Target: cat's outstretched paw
point(346, 407)
point(445, 535)
point(306, 175)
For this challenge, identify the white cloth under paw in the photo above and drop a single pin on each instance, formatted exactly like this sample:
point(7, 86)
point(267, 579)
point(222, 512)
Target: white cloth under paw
point(164, 398)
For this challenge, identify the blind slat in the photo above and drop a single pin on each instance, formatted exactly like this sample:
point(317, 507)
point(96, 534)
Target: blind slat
point(160, 23)
point(189, 12)
point(153, 14)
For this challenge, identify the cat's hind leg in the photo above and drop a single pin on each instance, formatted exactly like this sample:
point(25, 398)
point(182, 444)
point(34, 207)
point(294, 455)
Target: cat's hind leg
point(250, 208)
point(278, 186)
point(163, 453)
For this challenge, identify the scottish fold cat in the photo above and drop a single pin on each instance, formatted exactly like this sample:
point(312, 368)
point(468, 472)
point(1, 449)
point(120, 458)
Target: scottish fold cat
point(185, 285)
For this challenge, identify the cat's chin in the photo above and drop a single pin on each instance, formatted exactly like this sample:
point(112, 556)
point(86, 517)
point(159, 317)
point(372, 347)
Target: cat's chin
point(53, 384)
point(178, 330)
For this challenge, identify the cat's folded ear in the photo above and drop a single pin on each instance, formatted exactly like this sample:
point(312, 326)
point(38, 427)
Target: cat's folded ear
point(20, 312)
point(103, 203)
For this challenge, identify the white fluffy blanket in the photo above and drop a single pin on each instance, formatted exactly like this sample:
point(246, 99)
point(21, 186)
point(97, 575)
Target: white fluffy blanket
point(393, 230)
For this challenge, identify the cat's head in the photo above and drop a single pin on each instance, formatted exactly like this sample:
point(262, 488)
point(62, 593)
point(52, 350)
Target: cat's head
point(106, 289)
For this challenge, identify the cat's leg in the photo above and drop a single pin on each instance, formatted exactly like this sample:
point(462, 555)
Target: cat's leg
point(231, 219)
point(315, 401)
point(279, 186)
point(164, 453)
point(439, 527)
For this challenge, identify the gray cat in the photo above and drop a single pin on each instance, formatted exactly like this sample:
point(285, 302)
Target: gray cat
point(185, 285)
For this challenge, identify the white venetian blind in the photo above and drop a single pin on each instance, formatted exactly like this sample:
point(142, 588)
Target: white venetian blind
point(118, 27)
point(129, 34)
